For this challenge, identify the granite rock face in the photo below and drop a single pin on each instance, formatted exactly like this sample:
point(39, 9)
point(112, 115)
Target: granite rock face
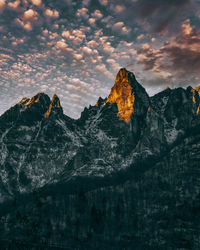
point(125, 175)
point(129, 96)
point(37, 140)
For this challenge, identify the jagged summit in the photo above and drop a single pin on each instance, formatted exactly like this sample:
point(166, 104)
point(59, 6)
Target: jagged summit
point(124, 74)
point(41, 99)
point(54, 106)
point(122, 94)
point(43, 104)
point(125, 92)
point(31, 110)
point(130, 98)
point(131, 162)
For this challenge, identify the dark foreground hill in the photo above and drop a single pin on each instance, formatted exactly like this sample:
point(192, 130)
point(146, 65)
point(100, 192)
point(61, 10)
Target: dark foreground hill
point(126, 175)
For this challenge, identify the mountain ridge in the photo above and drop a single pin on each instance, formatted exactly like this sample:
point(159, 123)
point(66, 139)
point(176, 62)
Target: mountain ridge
point(104, 180)
point(122, 77)
point(120, 129)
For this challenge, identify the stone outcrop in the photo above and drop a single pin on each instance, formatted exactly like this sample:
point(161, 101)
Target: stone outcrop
point(125, 175)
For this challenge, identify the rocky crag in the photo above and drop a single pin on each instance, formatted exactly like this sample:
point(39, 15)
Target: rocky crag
point(125, 175)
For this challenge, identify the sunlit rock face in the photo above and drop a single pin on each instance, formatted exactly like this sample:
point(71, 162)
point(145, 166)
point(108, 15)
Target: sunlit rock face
point(196, 98)
point(138, 153)
point(122, 94)
point(54, 106)
point(122, 130)
point(131, 98)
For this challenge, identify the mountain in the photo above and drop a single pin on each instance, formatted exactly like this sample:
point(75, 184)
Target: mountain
point(32, 153)
point(125, 175)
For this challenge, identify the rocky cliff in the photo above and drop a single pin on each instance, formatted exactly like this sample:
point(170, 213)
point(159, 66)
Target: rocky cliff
point(123, 176)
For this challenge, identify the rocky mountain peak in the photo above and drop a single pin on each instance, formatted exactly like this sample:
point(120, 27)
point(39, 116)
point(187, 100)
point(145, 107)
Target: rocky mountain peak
point(195, 98)
point(41, 98)
point(23, 101)
point(197, 90)
point(100, 102)
point(124, 93)
point(54, 107)
point(124, 75)
point(28, 110)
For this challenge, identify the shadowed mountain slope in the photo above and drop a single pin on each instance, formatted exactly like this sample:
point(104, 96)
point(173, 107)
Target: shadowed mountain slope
point(125, 175)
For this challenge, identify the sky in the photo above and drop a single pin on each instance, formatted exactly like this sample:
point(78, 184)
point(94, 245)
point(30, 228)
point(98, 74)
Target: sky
point(75, 48)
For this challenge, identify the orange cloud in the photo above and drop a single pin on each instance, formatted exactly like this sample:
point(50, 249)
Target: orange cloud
point(119, 8)
point(92, 20)
point(66, 34)
point(36, 2)
point(26, 25)
point(118, 25)
point(82, 13)
point(61, 44)
point(14, 5)
point(87, 50)
point(140, 37)
point(186, 27)
point(97, 14)
point(2, 4)
point(103, 2)
point(51, 13)
point(30, 15)
point(78, 57)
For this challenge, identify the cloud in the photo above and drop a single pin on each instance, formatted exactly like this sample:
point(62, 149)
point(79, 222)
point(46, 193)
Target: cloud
point(78, 57)
point(79, 33)
point(85, 2)
point(180, 57)
point(63, 52)
point(148, 57)
point(119, 27)
point(69, 2)
point(26, 25)
point(30, 14)
point(125, 30)
point(92, 20)
point(107, 47)
point(2, 4)
point(27, 20)
point(186, 28)
point(66, 34)
point(114, 65)
point(48, 45)
point(97, 14)
point(14, 5)
point(87, 50)
point(61, 45)
point(157, 15)
point(51, 13)
point(37, 2)
point(92, 44)
point(119, 8)
point(76, 36)
point(80, 90)
point(162, 12)
point(102, 68)
point(103, 2)
point(82, 13)
point(140, 37)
